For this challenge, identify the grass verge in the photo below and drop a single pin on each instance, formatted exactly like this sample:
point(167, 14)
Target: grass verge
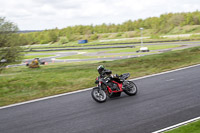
point(150, 47)
point(190, 128)
point(22, 84)
point(37, 56)
point(81, 56)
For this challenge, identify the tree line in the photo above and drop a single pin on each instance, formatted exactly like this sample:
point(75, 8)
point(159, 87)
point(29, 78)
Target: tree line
point(162, 24)
point(10, 50)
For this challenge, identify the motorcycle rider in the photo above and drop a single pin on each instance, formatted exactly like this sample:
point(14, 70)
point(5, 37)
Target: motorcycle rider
point(105, 73)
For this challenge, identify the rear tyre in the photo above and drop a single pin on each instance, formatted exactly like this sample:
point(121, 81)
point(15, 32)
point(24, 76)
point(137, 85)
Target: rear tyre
point(98, 95)
point(131, 88)
point(116, 94)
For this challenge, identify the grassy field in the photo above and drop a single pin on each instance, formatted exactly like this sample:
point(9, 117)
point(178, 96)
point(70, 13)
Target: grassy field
point(94, 43)
point(22, 83)
point(36, 56)
point(151, 47)
point(80, 56)
point(190, 128)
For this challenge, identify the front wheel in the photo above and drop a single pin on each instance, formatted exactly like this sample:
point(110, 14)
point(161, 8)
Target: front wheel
point(98, 95)
point(130, 88)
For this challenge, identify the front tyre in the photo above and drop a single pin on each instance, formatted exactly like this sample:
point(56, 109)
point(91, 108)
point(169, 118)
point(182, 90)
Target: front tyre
point(98, 95)
point(130, 88)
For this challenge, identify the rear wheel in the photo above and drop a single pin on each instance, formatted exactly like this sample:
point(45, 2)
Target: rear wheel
point(130, 88)
point(116, 94)
point(98, 95)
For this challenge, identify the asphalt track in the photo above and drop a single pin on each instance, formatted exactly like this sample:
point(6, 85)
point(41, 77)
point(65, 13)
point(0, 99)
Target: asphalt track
point(163, 100)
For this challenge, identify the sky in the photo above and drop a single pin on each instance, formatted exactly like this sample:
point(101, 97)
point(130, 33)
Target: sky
point(49, 14)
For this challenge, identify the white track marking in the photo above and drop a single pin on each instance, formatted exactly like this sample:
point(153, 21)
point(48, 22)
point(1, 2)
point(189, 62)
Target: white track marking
point(169, 80)
point(177, 125)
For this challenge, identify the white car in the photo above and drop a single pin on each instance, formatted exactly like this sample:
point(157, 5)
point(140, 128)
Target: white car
point(144, 49)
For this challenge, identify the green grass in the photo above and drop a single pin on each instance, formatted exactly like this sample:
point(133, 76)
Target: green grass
point(35, 56)
point(113, 50)
point(88, 51)
point(185, 29)
point(71, 44)
point(22, 83)
point(190, 128)
point(151, 47)
point(46, 52)
point(80, 56)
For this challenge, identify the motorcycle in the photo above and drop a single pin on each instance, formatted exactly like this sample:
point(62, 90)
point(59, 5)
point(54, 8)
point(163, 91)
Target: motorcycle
point(112, 87)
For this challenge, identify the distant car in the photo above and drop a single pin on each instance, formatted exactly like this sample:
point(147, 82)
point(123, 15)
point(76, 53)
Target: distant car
point(143, 49)
point(82, 41)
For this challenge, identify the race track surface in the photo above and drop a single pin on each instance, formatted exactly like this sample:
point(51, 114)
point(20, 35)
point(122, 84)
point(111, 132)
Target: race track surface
point(162, 101)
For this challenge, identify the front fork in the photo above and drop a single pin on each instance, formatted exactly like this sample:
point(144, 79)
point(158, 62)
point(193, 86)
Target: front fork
point(106, 91)
point(99, 86)
point(125, 82)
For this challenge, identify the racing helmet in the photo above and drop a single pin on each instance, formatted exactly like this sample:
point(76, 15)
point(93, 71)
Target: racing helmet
point(100, 68)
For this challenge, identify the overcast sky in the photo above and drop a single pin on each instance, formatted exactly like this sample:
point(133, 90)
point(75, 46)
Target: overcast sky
point(49, 14)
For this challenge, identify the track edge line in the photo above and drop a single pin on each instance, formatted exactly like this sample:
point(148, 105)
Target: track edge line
point(177, 125)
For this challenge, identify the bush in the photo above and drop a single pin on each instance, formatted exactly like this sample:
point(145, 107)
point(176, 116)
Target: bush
point(44, 42)
point(129, 35)
point(63, 40)
point(195, 37)
point(118, 34)
point(94, 37)
point(154, 36)
point(9, 44)
point(105, 36)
